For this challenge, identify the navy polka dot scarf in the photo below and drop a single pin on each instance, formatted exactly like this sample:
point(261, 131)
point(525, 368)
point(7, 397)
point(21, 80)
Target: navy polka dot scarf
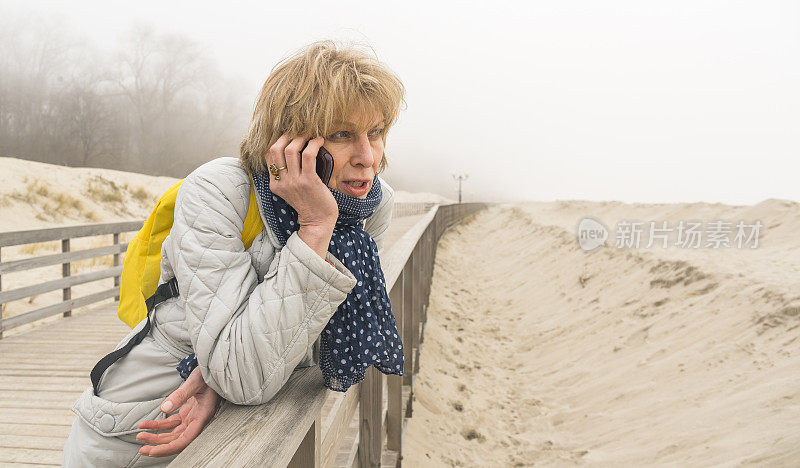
point(363, 331)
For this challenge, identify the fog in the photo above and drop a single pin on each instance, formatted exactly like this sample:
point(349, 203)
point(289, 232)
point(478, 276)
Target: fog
point(631, 101)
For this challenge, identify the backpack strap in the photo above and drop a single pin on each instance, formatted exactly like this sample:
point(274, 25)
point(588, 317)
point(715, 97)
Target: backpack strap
point(163, 292)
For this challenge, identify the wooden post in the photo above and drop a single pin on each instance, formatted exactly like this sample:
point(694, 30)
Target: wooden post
point(65, 272)
point(370, 432)
point(116, 263)
point(416, 303)
point(2, 306)
point(408, 320)
point(426, 244)
point(308, 453)
point(394, 383)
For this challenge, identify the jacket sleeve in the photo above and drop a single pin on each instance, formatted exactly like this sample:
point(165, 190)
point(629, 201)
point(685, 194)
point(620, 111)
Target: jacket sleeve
point(248, 336)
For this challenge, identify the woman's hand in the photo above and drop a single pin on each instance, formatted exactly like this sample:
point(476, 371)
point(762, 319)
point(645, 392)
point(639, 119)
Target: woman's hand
point(197, 402)
point(316, 208)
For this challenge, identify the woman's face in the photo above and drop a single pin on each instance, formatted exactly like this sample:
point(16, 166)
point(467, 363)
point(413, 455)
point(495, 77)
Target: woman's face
point(356, 156)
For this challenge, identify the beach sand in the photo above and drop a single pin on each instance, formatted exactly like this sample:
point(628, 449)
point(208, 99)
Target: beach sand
point(537, 353)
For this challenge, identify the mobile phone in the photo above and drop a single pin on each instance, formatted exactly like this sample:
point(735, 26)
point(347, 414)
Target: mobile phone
point(324, 163)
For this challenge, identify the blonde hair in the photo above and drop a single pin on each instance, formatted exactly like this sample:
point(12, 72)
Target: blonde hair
point(308, 92)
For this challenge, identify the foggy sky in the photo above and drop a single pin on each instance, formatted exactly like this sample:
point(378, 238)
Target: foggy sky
point(631, 101)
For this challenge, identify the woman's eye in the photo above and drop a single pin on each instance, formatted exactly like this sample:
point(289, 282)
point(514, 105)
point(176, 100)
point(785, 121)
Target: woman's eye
point(341, 134)
point(377, 132)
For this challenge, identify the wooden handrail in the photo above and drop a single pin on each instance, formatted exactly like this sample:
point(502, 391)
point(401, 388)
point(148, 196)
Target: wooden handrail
point(56, 259)
point(29, 236)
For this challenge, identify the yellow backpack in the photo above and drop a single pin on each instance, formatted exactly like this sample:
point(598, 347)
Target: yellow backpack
point(141, 268)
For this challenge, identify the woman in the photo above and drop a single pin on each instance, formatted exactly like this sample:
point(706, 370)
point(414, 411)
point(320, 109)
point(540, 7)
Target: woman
point(312, 277)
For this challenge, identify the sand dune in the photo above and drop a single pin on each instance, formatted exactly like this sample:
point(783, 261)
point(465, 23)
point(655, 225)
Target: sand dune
point(539, 353)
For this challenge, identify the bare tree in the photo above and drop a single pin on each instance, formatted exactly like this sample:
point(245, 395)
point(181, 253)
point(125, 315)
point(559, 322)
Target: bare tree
point(161, 107)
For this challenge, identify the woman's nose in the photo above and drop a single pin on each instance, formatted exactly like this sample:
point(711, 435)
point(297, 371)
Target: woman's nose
point(363, 153)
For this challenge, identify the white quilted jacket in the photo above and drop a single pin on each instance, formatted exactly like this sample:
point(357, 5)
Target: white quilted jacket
point(250, 316)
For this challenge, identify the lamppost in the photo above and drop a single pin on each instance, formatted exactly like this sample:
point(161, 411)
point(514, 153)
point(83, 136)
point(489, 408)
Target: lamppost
point(460, 178)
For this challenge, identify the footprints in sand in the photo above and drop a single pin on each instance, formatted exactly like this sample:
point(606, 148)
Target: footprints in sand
point(788, 314)
point(473, 434)
point(672, 273)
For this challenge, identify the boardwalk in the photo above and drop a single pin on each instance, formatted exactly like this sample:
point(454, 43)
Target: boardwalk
point(43, 370)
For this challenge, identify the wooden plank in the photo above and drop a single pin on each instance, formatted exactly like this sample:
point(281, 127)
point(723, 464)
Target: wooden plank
point(37, 405)
point(13, 384)
point(29, 236)
point(116, 260)
point(70, 329)
point(39, 288)
point(59, 258)
point(41, 363)
point(264, 435)
point(57, 405)
point(90, 341)
point(65, 398)
point(406, 401)
point(65, 272)
point(34, 456)
point(1, 307)
point(41, 374)
point(41, 351)
point(38, 430)
point(44, 312)
point(31, 442)
point(308, 453)
point(416, 305)
point(341, 417)
point(330, 410)
point(24, 465)
point(349, 458)
point(370, 418)
point(52, 381)
point(395, 382)
point(389, 459)
point(408, 319)
point(64, 417)
point(426, 282)
point(401, 250)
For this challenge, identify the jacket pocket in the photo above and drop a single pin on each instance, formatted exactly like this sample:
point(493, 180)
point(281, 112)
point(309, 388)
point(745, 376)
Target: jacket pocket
point(111, 419)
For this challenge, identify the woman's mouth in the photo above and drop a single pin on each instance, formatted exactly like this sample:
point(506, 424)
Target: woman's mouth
point(356, 187)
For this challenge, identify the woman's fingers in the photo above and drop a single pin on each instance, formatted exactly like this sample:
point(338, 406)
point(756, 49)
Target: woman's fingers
point(161, 424)
point(188, 389)
point(171, 448)
point(309, 156)
point(276, 151)
point(292, 154)
point(165, 444)
point(157, 439)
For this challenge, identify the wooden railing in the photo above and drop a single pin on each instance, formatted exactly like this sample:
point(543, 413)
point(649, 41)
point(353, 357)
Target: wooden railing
point(68, 256)
point(65, 258)
point(408, 209)
point(289, 429)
